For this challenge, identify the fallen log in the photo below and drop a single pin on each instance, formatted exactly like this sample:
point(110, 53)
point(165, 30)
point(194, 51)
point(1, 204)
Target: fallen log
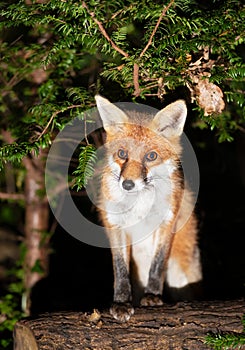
point(180, 326)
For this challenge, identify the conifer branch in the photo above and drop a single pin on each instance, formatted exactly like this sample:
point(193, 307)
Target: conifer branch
point(136, 66)
point(166, 8)
point(123, 53)
point(103, 31)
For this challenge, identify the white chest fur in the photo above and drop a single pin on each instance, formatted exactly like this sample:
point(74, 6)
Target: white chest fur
point(140, 213)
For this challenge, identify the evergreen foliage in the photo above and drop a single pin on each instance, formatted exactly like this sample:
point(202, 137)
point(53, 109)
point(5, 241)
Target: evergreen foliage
point(226, 341)
point(49, 48)
point(85, 169)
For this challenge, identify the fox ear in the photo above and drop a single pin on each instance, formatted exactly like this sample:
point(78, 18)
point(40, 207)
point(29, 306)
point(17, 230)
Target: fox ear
point(169, 122)
point(111, 115)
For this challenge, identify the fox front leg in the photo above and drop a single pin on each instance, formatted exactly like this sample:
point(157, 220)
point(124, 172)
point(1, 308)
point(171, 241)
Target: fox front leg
point(121, 309)
point(154, 288)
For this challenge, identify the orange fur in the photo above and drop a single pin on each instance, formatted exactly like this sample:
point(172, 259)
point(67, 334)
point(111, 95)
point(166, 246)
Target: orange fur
point(155, 189)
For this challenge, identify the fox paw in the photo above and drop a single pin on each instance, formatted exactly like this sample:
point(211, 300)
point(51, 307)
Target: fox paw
point(151, 300)
point(122, 311)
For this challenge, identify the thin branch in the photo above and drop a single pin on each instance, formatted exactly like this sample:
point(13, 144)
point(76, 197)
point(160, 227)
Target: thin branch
point(120, 11)
point(242, 129)
point(12, 196)
point(103, 31)
point(52, 118)
point(136, 80)
point(85, 129)
point(16, 40)
point(166, 8)
point(137, 89)
point(47, 126)
point(151, 86)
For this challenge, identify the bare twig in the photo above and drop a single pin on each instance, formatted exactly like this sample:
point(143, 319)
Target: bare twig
point(103, 31)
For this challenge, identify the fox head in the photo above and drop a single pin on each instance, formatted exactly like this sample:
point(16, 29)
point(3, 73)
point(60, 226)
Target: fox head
point(141, 149)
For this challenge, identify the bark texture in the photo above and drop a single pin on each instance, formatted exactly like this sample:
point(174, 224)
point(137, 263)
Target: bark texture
point(180, 326)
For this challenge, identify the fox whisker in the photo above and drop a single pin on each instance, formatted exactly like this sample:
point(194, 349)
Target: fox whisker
point(115, 176)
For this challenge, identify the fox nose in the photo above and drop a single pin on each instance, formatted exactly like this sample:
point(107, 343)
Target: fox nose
point(128, 185)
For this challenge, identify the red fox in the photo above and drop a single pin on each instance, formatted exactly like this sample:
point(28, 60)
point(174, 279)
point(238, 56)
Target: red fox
point(141, 193)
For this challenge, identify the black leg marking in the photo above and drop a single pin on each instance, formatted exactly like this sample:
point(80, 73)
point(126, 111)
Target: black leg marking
point(121, 308)
point(122, 287)
point(154, 288)
point(155, 282)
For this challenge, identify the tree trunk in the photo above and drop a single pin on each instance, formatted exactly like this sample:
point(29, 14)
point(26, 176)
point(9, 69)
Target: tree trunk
point(182, 326)
point(36, 224)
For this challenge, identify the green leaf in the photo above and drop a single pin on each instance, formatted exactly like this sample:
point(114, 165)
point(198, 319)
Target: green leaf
point(85, 169)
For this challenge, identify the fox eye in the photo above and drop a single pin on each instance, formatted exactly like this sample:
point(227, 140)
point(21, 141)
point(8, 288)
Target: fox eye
point(122, 154)
point(150, 156)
